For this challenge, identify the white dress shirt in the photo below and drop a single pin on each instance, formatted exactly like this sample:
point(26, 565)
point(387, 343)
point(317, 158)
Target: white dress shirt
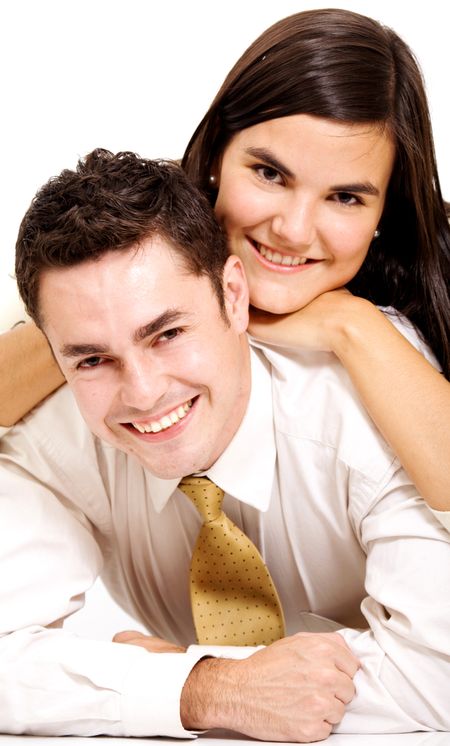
point(311, 482)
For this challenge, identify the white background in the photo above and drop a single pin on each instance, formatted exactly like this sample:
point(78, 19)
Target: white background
point(138, 75)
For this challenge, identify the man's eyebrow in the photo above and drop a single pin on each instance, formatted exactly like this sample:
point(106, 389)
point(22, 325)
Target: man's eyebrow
point(78, 350)
point(263, 154)
point(164, 320)
point(359, 187)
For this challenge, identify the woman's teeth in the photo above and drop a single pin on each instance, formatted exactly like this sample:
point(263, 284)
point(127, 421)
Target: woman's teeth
point(165, 422)
point(276, 258)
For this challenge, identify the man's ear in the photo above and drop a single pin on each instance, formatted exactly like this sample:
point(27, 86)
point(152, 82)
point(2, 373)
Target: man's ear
point(235, 290)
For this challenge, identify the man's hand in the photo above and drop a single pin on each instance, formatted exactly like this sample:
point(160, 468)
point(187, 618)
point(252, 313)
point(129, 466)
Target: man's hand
point(150, 643)
point(293, 690)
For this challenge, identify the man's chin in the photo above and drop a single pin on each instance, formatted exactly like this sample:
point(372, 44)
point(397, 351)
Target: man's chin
point(163, 466)
point(120, 441)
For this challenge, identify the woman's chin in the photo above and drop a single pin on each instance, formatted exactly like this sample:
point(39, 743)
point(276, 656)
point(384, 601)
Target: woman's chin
point(279, 305)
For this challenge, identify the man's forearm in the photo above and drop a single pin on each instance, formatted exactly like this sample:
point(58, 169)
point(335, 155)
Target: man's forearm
point(206, 698)
point(293, 690)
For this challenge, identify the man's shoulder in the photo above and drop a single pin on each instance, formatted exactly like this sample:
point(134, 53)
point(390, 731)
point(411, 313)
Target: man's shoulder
point(53, 444)
point(314, 401)
point(55, 420)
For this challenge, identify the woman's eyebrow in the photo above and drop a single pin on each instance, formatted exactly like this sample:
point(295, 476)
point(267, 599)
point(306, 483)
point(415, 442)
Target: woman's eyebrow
point(263, 154)
point(360, 187)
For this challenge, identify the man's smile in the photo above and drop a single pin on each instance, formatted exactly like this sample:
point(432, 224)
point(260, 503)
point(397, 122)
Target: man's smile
point(166, 421)
point(168, 424)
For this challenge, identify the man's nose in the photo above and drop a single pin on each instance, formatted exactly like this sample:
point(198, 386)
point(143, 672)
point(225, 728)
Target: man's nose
point(294, 221)
point(143, 384)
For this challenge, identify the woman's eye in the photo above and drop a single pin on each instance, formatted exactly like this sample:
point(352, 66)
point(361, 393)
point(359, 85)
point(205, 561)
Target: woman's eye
point(267, 173)
point(346, 198)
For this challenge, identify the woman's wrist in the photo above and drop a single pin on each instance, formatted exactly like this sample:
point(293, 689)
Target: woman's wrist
point(28, 372)
point(351, 326)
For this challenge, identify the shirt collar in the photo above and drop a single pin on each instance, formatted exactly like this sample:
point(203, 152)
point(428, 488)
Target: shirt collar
point(246, 468)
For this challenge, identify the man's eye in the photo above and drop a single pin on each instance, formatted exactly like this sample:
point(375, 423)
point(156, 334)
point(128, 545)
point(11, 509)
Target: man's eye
point(91, 362)
point(169, 334)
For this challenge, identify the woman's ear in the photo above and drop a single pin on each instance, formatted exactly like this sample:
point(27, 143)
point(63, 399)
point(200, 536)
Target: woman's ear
point(214, 173)
point(235, 290)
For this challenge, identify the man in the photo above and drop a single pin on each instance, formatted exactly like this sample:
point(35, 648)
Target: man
point(124, 268)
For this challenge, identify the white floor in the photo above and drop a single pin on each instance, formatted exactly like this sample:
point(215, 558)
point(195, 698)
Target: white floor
point(221, 739)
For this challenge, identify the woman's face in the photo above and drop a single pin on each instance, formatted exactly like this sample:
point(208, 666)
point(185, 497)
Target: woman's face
point(300, 198)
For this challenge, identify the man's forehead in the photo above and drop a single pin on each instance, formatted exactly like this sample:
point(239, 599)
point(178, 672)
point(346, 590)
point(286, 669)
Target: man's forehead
point(99, 305)
point(146, 250)
point(145, 271)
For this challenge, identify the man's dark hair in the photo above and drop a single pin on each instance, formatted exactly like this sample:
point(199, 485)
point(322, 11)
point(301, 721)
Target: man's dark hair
point(111, 203)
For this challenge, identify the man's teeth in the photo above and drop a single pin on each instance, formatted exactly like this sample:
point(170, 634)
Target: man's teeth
point(167, 421)
point(276, 258)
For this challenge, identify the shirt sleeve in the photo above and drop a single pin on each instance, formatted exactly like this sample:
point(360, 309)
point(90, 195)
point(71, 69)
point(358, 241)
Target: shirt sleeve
point(405, 654)
point(443, 516)
point(53, 682)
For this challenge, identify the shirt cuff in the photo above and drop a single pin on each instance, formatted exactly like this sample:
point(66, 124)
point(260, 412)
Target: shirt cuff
point(152, 692)
point(224, 651)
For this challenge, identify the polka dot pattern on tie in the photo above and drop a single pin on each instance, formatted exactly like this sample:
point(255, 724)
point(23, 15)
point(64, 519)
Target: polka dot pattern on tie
point(233, 598)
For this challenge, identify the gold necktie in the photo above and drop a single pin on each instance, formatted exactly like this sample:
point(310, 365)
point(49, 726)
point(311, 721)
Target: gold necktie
point(233, 598)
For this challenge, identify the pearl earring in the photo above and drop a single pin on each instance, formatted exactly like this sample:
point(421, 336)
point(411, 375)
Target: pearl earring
point(376, 233)
point(212, 180)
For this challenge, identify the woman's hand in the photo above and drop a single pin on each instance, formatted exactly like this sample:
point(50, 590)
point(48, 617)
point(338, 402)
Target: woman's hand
point(317, 326)
point(149, 642)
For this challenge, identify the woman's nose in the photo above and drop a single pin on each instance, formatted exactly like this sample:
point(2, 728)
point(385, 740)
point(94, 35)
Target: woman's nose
point(294, 222)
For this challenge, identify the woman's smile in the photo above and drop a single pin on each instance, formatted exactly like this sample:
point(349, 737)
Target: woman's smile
point(278, 260)
point(300, 199)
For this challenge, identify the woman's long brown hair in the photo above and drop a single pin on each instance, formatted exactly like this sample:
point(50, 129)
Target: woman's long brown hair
point(346, 67)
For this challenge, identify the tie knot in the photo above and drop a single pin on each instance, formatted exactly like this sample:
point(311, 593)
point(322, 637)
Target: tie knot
point(206, 496)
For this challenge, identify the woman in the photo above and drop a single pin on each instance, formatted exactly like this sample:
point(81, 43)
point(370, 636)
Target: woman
point(317, 153)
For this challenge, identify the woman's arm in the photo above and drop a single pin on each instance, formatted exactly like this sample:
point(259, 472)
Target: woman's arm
point(407, 398)
point(28, 372)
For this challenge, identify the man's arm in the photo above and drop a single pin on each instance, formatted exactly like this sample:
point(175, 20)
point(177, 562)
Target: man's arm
point(405, 656)
point(53, 682)
point(293, 690)
point(402, 684)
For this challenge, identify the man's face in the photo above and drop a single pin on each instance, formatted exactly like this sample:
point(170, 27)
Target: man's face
point(155, 368)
